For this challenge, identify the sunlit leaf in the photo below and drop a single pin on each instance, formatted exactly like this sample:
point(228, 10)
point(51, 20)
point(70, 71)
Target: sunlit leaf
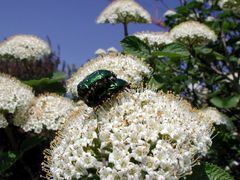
point(134, 46)
point(228, 102)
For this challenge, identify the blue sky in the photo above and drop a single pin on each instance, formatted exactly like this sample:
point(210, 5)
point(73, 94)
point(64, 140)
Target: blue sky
point(70, 24)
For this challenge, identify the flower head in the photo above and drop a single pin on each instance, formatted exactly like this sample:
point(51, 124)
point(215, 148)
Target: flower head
point(138, 131)
point(100, 52)
point(232, 5)
point(228, 4)
point(126, 67)
point(112, 50)
point(46, 111)
point(25, 47)
point(155, 38)
point(3, 121)
point(124, 11)
point(213, 116)
point(169, 13)
point(193, 32)
point(14, 95)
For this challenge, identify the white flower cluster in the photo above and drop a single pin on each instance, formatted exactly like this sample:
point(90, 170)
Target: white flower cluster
point(214, 116)
point(233, 5)
point(210, 19)
point(228, 3)
point(46, 111)
point(169, 13)
point(200, 1)
point(139, 135)
point(193, 32)
point(155, 38)
point(102, 52)
point(126, 67)
point(25, 47)
point(3, 121)
point(124, 11)
point(112, 50)
point(13, 94)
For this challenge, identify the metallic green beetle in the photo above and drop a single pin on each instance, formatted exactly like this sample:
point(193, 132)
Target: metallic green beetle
point(99, 86)
point(94, 78)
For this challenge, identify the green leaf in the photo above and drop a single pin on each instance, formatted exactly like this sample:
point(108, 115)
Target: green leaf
point(57, 76)
point(207, 171)
point(216, 173)
point(218, 56)
point(174, 50)
point(203, 50)
point(53, 84)
point(134, 46)
point(7, 159)
point(30, 143)
point(154, 84)
point(228, 102)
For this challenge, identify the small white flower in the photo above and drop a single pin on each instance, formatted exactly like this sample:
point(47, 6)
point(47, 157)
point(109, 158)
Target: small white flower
point(87, 160)
point(107, 173)
point(139, 153)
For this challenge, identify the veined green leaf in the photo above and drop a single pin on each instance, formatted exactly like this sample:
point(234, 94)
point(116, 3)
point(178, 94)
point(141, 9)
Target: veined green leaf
point(173, 50)
point(134, 46)
point(228, 102)
point(216, 173)
point(207, 171)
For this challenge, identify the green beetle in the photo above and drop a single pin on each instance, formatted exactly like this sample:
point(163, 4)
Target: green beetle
point(99, 86)
point(96, 77)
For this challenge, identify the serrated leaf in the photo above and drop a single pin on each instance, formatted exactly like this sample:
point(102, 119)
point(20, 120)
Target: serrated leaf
point(228, 102)
point(216, 173)
point(134, 46)
point(174, 50)
point(207, 171)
